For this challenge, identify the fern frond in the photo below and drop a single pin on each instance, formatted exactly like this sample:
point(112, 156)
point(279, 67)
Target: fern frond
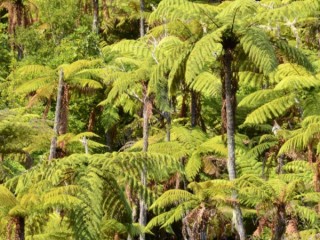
point(271, 110)
point(259, 97)
point(204, 53)
point(170, 197)
point(257, 46)
point(297, 82)
point(208, 84)
point(294, 54)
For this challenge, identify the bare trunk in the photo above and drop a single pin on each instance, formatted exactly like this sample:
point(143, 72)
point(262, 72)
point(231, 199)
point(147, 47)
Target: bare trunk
point(193, 109)
point(64, 109)
point(92, 120)
point(280, 223)
point(19, 232)
point(85, 144)
point(95, 22)
point(105, 9)
point(168, 126)
point(231, 164)
point(53, 146)
point(141, 18)
point(47, 109)
point(147, 109)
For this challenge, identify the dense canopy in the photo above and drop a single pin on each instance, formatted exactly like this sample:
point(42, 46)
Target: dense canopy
point(159, 119)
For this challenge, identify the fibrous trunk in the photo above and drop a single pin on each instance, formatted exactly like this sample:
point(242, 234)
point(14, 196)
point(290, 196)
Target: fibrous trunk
point(280, 222)
point(147, 109)
point(230, 100)
point(95, 22)
point(53, 146)
point(19, 232)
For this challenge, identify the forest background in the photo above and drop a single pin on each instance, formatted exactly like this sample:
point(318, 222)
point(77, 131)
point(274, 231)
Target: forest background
point(150, 119)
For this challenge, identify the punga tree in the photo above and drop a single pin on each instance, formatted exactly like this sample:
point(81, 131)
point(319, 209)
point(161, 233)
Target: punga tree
point(234, 37)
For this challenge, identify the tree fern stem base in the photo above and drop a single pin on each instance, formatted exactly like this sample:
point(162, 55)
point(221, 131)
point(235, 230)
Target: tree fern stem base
point(53, 146)
point(231, 164)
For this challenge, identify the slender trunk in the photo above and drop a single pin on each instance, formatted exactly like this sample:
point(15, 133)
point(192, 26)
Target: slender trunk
point(105, 9)
point(193, 108)
point(280, 223)
point(183, 110)
point(310, 153)
point(53, 146)
point(168, 126)
point(64, 109)
point(95, 22)
point(147, 109)
point(92, 119)
point(19, 232)
point(231, 164)
point(47, 109)
point(141, 18)
point(85, 145)
point(280, 160)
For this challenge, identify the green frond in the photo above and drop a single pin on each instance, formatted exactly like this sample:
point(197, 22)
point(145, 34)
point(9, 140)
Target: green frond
point(311, 104)
point(208, 84)
point(35, 84)
point(71, 69)
point(306, 214)
point(160, 219)
point(271, 110)
point(193, 166)
point(238, 8)
point(259, 97)
point(252, 79)
point(82, 83)
point(257, 46)
point(7, 199)
point(112, 226)
point(295, 143)
point(289, 11)
point(294, 54)
point(32, 71)
point(173, 148)
point(248, 166)
point(171, 197)
point(181, 10)
point(259, 150)
point(133, 47)
point(63, 201)
point(203, 54)
point(297, 82)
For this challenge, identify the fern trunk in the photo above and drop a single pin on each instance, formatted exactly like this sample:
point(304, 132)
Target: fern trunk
point(19, 230)
point(231, 164)
point(141, 18)
point(193, 109)
point(95, 22)
point(53, 146)
point(280, 222)
point(147, 108)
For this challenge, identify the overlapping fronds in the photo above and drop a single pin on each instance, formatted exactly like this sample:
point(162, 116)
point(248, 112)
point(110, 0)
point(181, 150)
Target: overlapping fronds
point(294, 54)
point(258, 47)
point(181, 9)
point(271, 109)
point(231, 10)
point(204, 53)
point(297, 82)
point(208, 84)
point(259, 97)
point(195, 163)
point(134, 48)
point(248, 78)
point(288, 11)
